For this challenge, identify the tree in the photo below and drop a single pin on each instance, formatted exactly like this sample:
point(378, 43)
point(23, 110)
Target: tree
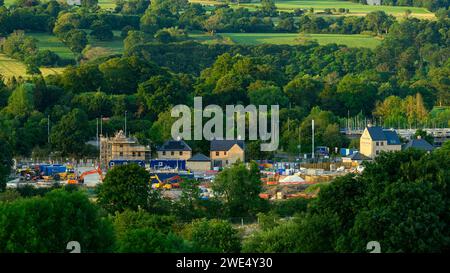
point(149, 240)
point(161, 128)
point(268, 7)
point(325, 129)
point(281, 239)
point(188, 207)
point(161, 14)
point(5, 163)
point(440, 80)
point(159, 92)
point(287, 25)
point(133, 38)
point(21, 101)
point(163, 36)
point(379, 22)
point(239, 188)
point(46, 224)
point(268, 95)
point(70, 134)
point(127, 187)
point(333, 138)
point(101, 31)
point(423, 135)
point(19, 46)
point(213, 236)
point(303, 91)
point(76, 40)
point(89, 3)
point(356, 94)
point(213, 23)
point(141, 232)
point(65, 22)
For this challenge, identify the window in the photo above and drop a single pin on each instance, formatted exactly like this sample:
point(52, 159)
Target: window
point(121, 145)
point(226, 162)
point(377, 152)
point(217, 153)
point(164, 152)
point(133, 154)
point(139, 154)
point(172, 153)
point(225, 153)
point(121, 154)
point(377, 143)
point(181, 153)
point(382, 143)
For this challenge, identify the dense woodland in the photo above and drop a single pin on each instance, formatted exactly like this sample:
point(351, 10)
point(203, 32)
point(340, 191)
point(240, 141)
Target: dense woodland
point(410, 69)
point(404, 82)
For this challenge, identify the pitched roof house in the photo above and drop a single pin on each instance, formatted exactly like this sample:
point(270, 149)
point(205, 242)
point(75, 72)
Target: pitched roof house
point(226, 152)
point(419, 144)
point(199, 162)
point(174, 149)
point(375, 140)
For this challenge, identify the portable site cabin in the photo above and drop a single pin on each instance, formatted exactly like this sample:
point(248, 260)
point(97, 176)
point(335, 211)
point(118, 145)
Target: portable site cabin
point(164, 164)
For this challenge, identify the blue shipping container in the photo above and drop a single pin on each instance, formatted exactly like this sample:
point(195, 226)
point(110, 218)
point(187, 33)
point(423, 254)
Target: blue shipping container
point(347, 152)
point(113, 163)
point(168, 164)
point(49, 170)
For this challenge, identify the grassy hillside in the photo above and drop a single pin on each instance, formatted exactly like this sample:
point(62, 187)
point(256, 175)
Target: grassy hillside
point(51, 42)
point(10, 67)
point(320, 5)
point(357, 40)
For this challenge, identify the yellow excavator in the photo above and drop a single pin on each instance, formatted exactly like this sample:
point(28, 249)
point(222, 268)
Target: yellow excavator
point(172, 182)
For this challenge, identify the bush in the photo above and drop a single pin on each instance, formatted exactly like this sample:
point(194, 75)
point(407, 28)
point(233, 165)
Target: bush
point(47, 224)
point(213, 236)
point(289, 207)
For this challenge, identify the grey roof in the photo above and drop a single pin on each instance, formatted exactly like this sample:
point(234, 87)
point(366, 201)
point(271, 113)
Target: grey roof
point(392, 137)
point(199, 157)
point(174, 145)
point(376, 133)
point(359, 156)
point(225, 145)
point(379, 134)
point(420, 144)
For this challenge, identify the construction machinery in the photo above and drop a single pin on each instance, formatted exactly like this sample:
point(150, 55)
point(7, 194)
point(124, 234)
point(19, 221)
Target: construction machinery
point(80, 179)
point(167, 184)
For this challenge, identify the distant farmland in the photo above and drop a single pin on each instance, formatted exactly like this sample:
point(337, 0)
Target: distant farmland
point(356, 40)
point(320, 5)
point(51, 42)
point(10, 67)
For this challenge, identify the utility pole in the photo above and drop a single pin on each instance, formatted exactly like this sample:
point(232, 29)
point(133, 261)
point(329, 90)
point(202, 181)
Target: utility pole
point(125, 123)
point(299, 145)
point(98, 144)
point(48, 129)
point(312, 128)
point(101, 125)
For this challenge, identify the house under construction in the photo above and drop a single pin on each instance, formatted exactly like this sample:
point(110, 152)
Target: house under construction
point(121, 147)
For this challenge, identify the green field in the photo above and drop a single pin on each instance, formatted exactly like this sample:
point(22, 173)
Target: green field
point(320, 5)
point(107, 4)
point(51, 42)
point(356, 40)
point(10, 67)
